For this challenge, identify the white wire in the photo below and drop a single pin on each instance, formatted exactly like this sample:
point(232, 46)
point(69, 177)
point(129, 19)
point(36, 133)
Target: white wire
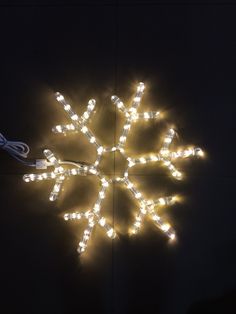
point(20, 150)
point(78, 164)
point(16, 149)
point(70, 163)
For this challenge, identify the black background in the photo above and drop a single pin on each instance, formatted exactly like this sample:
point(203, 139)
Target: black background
point(185, 52)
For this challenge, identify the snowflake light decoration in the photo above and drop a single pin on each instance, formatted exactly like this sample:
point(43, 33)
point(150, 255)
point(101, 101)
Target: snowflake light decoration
point(147, 208)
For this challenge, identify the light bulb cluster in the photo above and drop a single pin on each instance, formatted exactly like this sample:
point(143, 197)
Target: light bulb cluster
point(165, 156)
point(94, 218)
point(131, 114)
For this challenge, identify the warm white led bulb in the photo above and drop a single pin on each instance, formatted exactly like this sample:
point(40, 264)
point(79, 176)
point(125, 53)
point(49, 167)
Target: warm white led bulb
point(92, 139)
point(84, 129)
point(100, 150)
point(102, 221)
point(59, 97)
point(138, 195)
point(165, 227)
point(111, 233)
point(67, 107)
point(75, 117)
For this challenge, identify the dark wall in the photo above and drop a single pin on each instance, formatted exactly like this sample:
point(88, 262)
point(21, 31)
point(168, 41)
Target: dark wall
point(185, 52)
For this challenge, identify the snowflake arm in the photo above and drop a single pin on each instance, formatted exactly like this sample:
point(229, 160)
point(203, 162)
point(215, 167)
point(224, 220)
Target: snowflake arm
point(59, 174)
point(94, 218)
point(131, 113)
point(148, 208)
point(134, 115)
point(166, 156)
point(79, 123)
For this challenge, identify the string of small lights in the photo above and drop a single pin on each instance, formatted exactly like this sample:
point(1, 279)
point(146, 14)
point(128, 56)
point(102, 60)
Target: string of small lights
point(63, 170)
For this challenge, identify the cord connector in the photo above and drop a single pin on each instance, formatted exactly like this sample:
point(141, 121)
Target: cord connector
point(42, 164)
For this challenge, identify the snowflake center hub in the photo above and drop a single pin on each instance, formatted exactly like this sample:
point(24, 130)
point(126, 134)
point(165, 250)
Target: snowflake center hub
point(114, 165)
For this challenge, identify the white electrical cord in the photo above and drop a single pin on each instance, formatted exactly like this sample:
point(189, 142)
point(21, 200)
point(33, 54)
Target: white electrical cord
point(16, 149)
point(73, 163)
point(20, 150)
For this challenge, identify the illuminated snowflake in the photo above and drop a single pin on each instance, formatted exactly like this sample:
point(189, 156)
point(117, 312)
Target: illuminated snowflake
point(147, 208)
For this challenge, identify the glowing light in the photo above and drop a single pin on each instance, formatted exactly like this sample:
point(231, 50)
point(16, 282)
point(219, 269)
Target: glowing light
point(84, 129)
point(165, 227)
point(111, 233)
point(147, 208)
point(100, 150)
point(102, 221)
point(162, 201)
point(92, 139)
point(75, 117)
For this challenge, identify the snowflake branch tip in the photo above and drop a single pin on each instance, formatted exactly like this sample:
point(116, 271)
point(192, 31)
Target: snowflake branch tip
point(78, 123)
point(94, 218)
